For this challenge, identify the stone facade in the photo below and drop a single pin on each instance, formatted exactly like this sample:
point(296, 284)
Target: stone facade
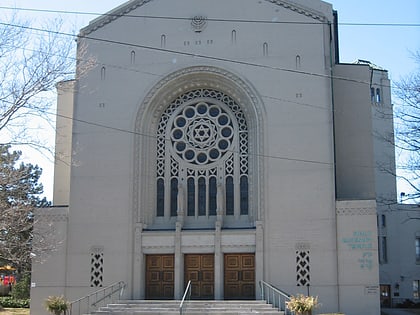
point(227, 143)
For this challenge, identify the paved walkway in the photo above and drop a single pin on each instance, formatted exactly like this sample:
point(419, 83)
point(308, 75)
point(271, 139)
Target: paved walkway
point(400, 311)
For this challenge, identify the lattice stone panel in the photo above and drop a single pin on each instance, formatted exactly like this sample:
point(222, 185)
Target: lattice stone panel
point(97, 267)
point(303, 268)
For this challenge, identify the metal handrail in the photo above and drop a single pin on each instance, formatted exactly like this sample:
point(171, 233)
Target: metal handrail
point(84, 304)
point(274, 296)
point(187, 295)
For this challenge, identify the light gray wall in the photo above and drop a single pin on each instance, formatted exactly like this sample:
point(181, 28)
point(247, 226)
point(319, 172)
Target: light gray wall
point(355, 166)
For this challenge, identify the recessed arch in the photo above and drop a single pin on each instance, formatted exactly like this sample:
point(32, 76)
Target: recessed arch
point(182, 82)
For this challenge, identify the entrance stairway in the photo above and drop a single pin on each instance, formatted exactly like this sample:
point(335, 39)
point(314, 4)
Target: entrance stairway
point(194, 307)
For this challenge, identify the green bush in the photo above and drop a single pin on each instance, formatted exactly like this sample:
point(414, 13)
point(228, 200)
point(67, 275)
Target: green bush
point(8, 301)
point(22, 289)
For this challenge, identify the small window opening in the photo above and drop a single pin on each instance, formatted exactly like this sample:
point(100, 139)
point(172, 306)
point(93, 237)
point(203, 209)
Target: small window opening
point(297, 62)
point(265, 49)
point(133, 57)
point(233, 37)
point(103, 73)
point(163, 41)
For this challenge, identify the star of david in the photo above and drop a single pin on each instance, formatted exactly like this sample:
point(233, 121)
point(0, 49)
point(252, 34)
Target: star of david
point(202, 133)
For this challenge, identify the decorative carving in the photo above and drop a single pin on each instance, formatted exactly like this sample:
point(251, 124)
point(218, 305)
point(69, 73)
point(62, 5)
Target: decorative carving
point(198, 23)
point(302, 246)
point(303, 268)
point(96, 266)
point(356, 211)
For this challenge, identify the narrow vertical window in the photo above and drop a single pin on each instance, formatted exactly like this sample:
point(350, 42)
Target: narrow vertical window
point(133, 57)
point(233, 37)
point(229, 196)
point(160, 202)
point(163, 41)
point(383, 254)
point(244, 195)
point(383, 220)
point(191, 197)
point(201, 196)
point(417, 244)
point(378, 95)
point(297, 62)
point(265, 49)
point(174, 197)
point(212, 196)
point(372, 95)
point(103, 73)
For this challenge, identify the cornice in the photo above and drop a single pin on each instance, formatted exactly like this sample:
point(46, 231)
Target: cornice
point(134, 4)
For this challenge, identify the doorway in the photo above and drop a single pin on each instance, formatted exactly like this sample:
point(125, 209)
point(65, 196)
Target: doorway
point(160, 277)
point(199, 268)
point(239, 281)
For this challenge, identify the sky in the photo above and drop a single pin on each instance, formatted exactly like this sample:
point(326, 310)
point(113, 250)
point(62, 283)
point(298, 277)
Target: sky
point(383, 32)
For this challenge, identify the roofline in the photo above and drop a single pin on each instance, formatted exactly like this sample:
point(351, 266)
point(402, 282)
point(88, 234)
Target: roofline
point(131, 5)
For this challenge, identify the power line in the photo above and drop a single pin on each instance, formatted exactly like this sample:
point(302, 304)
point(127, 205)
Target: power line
point(209, 19)
point(135, 133)
point(189, 54)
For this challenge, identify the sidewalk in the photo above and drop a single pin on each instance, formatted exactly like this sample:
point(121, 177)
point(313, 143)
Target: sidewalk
point(400, 311)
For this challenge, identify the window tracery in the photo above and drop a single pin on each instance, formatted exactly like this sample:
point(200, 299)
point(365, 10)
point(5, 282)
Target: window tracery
point(202, 157)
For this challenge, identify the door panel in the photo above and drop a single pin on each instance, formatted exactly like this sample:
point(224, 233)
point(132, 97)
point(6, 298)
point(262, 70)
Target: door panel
point(239, 276)
point(159, 276)
point(199, 268)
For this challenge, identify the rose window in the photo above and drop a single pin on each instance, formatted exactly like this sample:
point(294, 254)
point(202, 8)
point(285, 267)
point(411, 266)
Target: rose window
point(202, 133)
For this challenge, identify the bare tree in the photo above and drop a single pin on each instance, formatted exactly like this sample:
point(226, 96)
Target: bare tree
point(407, 130)
point(32, 61)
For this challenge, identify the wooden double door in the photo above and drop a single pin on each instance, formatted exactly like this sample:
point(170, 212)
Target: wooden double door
point(239, 276)
point(160, 275)
point(239, 283)
point(199, 268)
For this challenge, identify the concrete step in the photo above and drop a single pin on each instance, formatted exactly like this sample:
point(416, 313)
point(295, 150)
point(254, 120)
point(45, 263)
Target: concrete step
point(153, 307)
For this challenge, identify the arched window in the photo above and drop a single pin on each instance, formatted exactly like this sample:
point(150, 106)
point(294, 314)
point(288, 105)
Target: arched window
point(202, 143)
point(265, 49)
point(133, 57)
point(233, 37)
point(297, 62)
point(103, 73)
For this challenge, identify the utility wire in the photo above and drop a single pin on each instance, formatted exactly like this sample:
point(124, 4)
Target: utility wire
point(189, 54)
point(209, 19)
point(155, 137)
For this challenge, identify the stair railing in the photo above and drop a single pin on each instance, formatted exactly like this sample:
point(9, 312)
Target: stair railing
point(274, 296)
point(186, 296)
point(97, 299)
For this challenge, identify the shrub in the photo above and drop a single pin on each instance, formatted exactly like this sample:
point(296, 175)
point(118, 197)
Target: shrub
point(301, 303)
point(57, 305)
point(10, 302)
point(22, 289)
